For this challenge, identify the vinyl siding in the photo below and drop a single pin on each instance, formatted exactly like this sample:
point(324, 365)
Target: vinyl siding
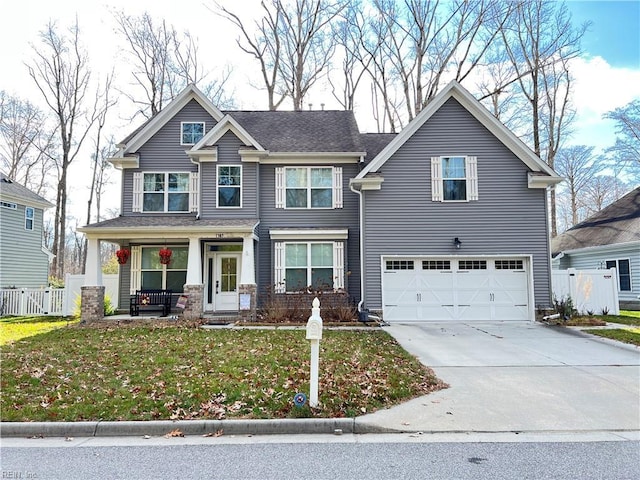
point(597, 258)
point(163, 152)
point(22, 261)
point(270, 218)
point(228, 147)
point(509, 218)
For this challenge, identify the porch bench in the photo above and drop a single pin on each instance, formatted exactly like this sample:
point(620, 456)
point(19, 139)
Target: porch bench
point(150, 300)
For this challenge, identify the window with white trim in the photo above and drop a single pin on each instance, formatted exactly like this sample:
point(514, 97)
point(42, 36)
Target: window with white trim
point(229, 186)
point(454, 179)
point(309, 187)
point(155, 275)
point(191, 132)
point(29, 216)
point(11, 205)
point(165, 192)
point(309, 265)
point(623, 267)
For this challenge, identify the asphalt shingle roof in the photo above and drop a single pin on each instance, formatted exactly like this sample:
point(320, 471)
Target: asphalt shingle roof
point(619, 222)
point(15, 190)
point(167, 221)
point(302, 131)
point(375, 142)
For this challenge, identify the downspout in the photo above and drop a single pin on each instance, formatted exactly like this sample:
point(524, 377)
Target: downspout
point(361, 226)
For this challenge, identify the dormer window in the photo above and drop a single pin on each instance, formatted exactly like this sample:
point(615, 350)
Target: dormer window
point(191, 132)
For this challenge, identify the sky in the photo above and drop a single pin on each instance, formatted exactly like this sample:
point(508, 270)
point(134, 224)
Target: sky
point(607, 75)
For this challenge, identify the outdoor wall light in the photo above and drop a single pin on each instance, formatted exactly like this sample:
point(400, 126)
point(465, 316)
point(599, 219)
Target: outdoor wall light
point(457, 242)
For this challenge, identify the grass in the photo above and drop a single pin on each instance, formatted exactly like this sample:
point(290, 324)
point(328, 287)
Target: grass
point(625, 335)
point(176, 371)
point(15, 328)
point(626, 317)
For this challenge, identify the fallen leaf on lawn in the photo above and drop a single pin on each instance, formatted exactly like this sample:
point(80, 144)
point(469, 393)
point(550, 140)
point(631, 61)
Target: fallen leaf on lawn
point(174, 433)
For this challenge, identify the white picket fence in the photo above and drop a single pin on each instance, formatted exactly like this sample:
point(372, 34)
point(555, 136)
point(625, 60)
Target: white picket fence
point(593, 291)
point(32, 301)
point(51, 301)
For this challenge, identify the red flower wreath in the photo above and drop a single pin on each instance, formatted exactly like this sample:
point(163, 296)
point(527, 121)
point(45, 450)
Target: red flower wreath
point(165, 256)
point(123, 255)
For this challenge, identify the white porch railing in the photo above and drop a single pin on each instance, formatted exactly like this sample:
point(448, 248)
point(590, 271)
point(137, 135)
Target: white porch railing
point(32, 301)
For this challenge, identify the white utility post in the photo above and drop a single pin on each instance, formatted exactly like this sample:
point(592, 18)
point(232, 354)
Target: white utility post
point(314, 333)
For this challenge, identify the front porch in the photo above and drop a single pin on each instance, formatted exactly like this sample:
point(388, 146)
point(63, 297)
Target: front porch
point(213, 267)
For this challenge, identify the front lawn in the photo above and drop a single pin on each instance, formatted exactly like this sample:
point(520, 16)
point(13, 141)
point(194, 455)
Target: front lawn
point(175, 371)
point(15, 328)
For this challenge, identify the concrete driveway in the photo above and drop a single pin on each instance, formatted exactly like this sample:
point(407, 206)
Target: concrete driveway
point(512, 377)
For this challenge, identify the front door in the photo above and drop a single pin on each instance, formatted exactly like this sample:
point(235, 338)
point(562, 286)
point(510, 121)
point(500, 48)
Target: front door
point(222, 273)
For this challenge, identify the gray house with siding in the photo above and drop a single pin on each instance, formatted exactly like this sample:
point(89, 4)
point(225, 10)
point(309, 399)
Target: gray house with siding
point(454, 219)
point(608, 239)
point(24, 261)
point(250, 202)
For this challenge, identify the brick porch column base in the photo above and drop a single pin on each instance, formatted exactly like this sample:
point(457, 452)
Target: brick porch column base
point(195, 294)
point(250, 289)
point(91, 303)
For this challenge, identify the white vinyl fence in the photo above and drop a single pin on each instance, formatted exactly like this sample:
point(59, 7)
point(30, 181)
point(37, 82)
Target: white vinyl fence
point(51, 301)
point(32, 301)
point(594, 291)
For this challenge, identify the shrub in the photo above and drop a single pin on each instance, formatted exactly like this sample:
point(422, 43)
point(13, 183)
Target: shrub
point(564, 306)
point(335, 306)
point(109, 307)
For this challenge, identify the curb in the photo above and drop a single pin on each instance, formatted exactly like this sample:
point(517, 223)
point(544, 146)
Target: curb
point(189, 427)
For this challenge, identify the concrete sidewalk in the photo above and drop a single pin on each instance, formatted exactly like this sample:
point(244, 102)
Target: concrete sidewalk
point(517, 377)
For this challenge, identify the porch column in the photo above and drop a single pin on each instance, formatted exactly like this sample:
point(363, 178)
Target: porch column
point(248, 287)
point(193, 288)
point(248, 274)
point(92, 292)
point(194, 262)
point(93, 267)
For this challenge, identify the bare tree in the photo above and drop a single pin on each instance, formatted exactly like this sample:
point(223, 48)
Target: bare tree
point(263, 45)
point(601, 191)
point(578, 165)
point(294, 45)
point(348, 32)
point(540, 39)
point(626, 151)
point(61, 73)
point(26, 143)
point(164, 63)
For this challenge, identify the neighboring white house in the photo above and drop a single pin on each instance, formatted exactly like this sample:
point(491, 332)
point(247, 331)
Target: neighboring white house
point(608, 239)
point(24, 261)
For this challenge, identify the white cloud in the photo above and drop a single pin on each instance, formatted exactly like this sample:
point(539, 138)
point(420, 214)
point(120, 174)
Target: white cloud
point(599, 88)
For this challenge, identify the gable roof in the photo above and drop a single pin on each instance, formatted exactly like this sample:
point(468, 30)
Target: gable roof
point(10, 190)
point(475, 108)
point(143, 133)
point(227, 123)
point(329, 131)
point(617, 223)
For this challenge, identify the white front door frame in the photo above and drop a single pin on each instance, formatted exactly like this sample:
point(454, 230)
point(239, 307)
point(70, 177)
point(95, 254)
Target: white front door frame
point(221, 294)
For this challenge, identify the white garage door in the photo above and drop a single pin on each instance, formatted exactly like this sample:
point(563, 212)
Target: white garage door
point(470, 289)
